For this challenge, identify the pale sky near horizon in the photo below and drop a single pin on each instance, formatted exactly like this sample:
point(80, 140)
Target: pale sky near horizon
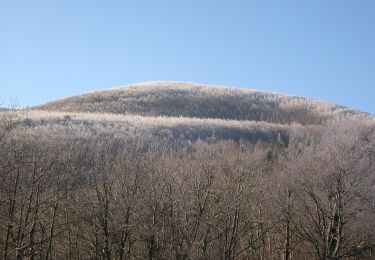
point(322, 49)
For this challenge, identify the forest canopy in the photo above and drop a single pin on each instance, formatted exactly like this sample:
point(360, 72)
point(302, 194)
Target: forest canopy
point(82, 184)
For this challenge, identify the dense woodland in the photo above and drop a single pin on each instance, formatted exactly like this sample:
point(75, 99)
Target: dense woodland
point(186, 171)
point(102, 196)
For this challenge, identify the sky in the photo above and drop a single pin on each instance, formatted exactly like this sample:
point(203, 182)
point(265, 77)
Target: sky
point(322, 49)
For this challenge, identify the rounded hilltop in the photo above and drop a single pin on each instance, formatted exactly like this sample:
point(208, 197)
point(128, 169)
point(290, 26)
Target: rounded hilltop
point(182, 99)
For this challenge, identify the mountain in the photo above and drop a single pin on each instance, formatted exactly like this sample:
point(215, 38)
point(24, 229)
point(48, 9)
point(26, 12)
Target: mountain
point(168, 170)
point(184, 111)
point(178, 99)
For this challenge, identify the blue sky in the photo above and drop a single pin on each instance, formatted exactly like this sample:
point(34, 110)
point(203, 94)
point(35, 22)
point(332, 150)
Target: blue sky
point(322, 49)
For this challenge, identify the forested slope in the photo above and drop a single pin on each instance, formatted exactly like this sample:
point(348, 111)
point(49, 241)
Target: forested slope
point(203, 101)
point(184, 171)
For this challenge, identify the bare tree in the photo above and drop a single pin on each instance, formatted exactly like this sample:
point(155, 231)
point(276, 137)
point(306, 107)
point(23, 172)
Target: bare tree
point(335, 179)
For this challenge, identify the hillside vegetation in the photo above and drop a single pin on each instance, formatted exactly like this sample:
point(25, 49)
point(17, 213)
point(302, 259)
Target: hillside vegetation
point(184, 171)
point(178, 128)
point(174, 99)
